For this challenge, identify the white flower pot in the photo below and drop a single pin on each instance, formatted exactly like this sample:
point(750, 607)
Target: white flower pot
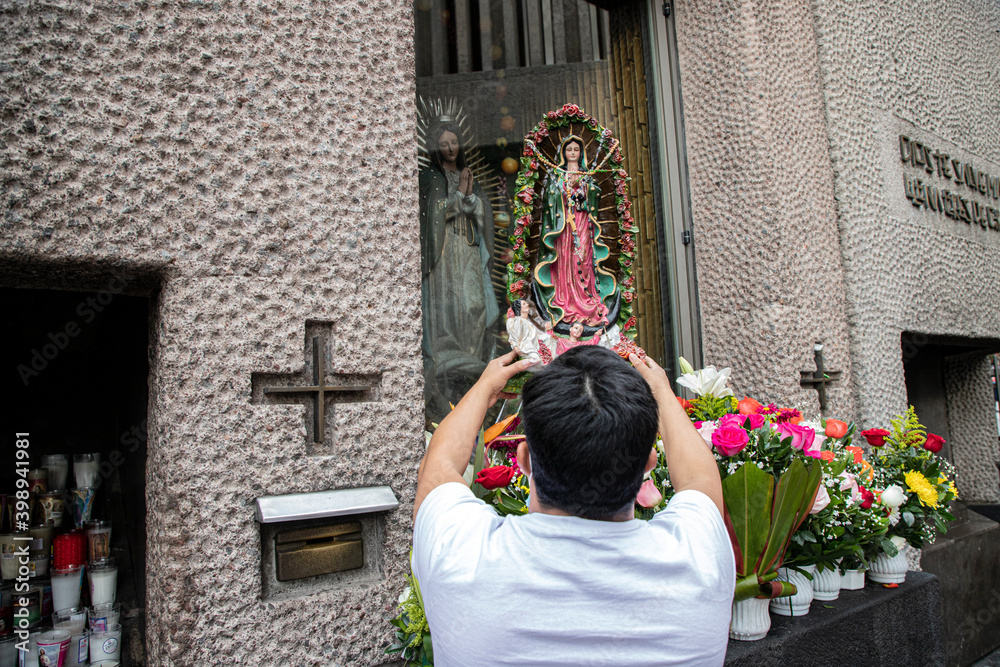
point(750, 620)
point(886, 570)
point(852, 580)
point(826, 585)
point(798, 604)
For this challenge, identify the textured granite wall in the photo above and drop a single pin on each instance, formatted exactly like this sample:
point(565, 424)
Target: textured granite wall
point(768, 252)
point(803, 230)
point(234, 153)
point(929, 70)
point(974, 447)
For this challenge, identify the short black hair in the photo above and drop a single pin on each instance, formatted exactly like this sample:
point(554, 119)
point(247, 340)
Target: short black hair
point(590, 421)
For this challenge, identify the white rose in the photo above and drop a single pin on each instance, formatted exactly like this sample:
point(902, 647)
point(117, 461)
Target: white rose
point(897, 541)
point(706, 431)
point(893, 496)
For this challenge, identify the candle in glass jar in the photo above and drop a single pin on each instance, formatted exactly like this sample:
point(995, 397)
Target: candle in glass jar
point(38, 480)
point(99, 539)
point(41, 540)
point(85, 467)
point(103, 580)
point(83, 505)
point(57, 466)
point(8, 556)
point(52, 508)
point(66, 587)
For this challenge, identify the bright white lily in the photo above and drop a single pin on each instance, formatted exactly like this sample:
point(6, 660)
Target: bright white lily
point(707, 382)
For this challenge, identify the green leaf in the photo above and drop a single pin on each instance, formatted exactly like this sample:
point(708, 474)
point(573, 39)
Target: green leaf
point(838, 466)
point(478, 463)
point(793, 497)
point(889, 548)
point(748, 494)
point(807, 535)
point(747, 587)
point(428, 649)
point(908, 518)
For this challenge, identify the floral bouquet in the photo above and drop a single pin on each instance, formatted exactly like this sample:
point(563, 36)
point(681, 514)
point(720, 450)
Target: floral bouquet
point(915, 484)
point(770, 469)
point(845, 519)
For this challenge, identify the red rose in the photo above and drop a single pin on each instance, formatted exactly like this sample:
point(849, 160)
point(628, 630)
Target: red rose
point(875, 436)
point(934, 443)
point(748, 406)
point(835, 428)
point(867, 497)
point(495, 477)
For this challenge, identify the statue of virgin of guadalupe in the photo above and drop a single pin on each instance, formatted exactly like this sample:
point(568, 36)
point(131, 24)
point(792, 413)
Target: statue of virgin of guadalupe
point(459, 303)
point(569, 278)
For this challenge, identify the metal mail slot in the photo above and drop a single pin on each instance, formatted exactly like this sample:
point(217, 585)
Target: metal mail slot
point(308, 552)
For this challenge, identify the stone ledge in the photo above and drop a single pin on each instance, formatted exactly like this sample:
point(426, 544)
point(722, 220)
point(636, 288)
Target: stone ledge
point(875, 626)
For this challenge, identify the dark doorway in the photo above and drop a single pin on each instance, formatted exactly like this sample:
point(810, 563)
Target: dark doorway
point(76, 381)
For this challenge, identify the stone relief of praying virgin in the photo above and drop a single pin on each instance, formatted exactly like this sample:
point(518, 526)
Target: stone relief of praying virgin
point(460, 305)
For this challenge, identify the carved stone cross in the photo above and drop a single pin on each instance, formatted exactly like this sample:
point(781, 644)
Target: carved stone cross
point(820, 378)
point(359, 388)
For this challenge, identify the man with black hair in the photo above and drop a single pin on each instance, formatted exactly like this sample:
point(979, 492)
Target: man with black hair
point(578, 580)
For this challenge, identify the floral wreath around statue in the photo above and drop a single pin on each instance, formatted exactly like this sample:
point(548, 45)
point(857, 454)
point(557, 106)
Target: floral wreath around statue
point(518, 270)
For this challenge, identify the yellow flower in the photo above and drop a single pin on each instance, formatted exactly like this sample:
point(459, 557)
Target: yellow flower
point(925, 491)
point(951, 485)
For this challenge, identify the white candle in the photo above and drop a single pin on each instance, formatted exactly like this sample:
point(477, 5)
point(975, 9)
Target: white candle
point(66, 587)
point(106, 645)
point(103, 581)
point(103, 616)
point(72, 620)
point(86, 473)
point(79, 651)
point(58, 467)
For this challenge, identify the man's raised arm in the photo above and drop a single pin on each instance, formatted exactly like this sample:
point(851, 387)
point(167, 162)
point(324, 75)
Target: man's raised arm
point(690, 462)
point(451, 446)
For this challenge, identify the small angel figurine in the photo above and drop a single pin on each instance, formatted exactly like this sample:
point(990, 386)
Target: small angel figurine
point(575, 331)
point(525, 337)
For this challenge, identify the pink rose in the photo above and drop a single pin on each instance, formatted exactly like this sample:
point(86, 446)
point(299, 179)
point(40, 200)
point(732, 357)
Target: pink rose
point(730, 440)
point(649, 495)
point(822, 500)
point(731, 420)
point(740, 420)
point(802, 437)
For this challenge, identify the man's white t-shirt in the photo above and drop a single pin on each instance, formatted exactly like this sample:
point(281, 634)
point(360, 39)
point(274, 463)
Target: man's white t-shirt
point(560, 590)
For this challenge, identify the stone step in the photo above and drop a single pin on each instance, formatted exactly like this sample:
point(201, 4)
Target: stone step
point(966, 561)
